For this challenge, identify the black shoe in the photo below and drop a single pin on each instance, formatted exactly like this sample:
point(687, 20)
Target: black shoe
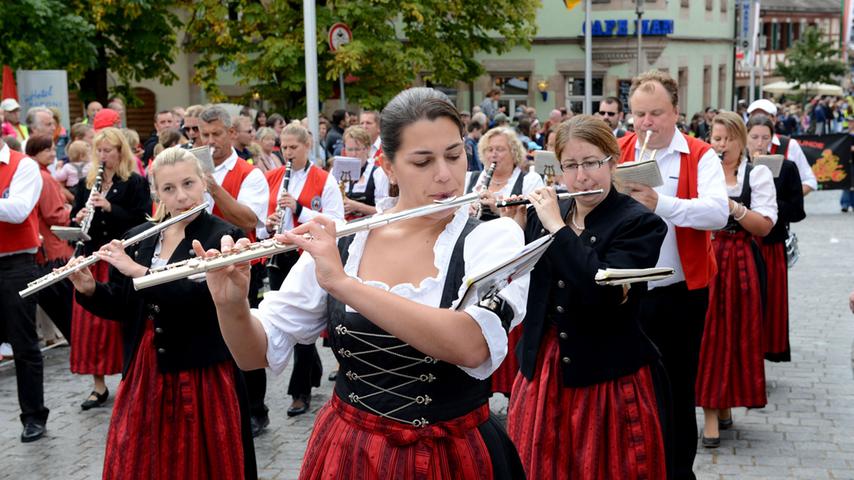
point(100, 399)
point(258, 424)
point(332, 376)
point(725, 424)
point(32, 432)
point(711, 442)
point(294, 411)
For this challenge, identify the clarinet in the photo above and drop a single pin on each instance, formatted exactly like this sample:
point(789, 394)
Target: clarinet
point(90, 210)
point(272, 262)
point(484, 184)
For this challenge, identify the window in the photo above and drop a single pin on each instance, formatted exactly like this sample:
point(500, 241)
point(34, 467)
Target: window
point(683, 89)
point(775, 37)
point(684, 3)
point(575, 93)
point(709, 5)
point(514, 94)
point(723, 5)
point(451, 92)
point(707, 86)
point(722, 100)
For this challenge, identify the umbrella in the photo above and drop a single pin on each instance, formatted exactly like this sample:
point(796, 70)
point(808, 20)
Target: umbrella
point(780, 88)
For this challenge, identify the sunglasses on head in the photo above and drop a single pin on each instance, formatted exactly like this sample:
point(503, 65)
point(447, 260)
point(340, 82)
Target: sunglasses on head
point(608, 114)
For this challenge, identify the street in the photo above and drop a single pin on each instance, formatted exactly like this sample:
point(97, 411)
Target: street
point(805, 431)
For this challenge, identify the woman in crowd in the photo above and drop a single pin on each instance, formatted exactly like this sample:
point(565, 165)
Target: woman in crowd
point(790, 208)
point(361, 194)
point(269, 159)
point(122, 203)
point(731, 370)
point(414, 400)
point(586, 404)
point(182, 402)
point(260, 120)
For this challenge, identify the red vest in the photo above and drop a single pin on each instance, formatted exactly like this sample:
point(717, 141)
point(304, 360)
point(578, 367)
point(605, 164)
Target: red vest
point(774, 147)
point(378, 157)
point(231, 184)
point(21, 236)
point(694, 246)
point(311, 196)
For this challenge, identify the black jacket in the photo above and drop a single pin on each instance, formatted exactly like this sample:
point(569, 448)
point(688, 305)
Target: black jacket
point(187, 333)
point(599, 332)
point(790, 202)
point(130, 202)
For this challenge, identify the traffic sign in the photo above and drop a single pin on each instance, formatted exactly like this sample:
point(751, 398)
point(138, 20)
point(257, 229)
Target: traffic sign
point(339, 35)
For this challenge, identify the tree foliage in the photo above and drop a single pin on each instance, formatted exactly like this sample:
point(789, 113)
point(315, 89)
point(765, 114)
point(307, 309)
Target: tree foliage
point(261, 42)
point(811, 59)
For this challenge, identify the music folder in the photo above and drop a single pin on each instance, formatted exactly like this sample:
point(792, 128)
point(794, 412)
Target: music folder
point(70, 234)
point(498, 276)
point(624, 276)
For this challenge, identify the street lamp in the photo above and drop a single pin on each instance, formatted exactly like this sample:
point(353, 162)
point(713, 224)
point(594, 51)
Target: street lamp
point(639, 27)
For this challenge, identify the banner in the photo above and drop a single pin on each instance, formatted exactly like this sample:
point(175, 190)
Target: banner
point(830, 159)
point(44, 88)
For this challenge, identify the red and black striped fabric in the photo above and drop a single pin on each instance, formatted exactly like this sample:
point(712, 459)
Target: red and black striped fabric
point(348, 443)
point(174, 425)
point(96, 343)
point(776, 323)
point(505, 374)
point(732, 370)
point(607, 430)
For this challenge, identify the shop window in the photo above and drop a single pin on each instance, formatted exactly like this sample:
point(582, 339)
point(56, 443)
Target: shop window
point(515, 91)
point(575, 93)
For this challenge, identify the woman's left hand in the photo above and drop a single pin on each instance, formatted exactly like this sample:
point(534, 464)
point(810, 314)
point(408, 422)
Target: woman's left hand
point(544, 200)
point(115, 255)
point(321, 243)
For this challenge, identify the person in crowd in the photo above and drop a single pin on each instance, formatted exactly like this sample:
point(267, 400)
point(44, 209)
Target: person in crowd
point(589, 376)
point(694, 126)
point(360, 195)
point(40, 122)
point(786, 146)
point(277, 123)
point(335, 136)
point(260, 120)
point(162, 120)
point(692, 202)
point(60, 134)
point(489, 105)
point(269, 159)
point(106, 117)
point(168, 138)
point(245, 132)
point(122, 202)
point(92, 110)
point(311, 191)
point(732, 370)
point(118, 106)
point(82, 132)
point(611, 111)
point(53, 209)
point(191, 125)
point(474, 131)
point(370, 122)
point(396, 300)
point(12, 125)
point(790, 208)
point(19, 228)
point(133, 142)
point(500, 120)
point(77, 167)
point(465, 116)
point(239, 194)
point(182, 401)
point(316, 154)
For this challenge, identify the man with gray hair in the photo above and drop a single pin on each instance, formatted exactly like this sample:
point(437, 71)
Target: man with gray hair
point(39, 122)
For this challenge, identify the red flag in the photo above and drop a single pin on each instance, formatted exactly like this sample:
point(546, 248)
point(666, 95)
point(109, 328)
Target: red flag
point(10, 90)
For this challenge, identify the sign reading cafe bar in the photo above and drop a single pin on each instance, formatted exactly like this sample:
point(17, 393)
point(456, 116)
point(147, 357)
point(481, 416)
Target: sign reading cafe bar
point(620, 28)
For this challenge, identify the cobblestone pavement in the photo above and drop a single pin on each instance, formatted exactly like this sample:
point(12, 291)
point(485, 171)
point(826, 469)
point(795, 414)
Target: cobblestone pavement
point(804, 432)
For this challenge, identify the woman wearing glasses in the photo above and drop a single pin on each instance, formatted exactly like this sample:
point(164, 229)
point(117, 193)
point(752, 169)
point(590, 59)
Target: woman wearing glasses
point(586, 403)
point(360, 196)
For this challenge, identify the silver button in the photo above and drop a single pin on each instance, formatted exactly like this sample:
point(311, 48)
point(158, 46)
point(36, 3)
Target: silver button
point(542, 231)
point(559, 309)
point(161, 351)
point(565, 360)
point(156, 308)
point(593, 239)
point(103, 222)
point(563, 336)
point(560, 284)
point(158, 330)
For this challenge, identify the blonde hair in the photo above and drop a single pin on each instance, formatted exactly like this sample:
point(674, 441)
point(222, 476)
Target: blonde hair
point(127, 164)
point(734, 125)
point(78, 151)
point(516, 148)
point(132, 137)
point(358, 134)
point(296, 129)
point(168, 157)
point(264, 132)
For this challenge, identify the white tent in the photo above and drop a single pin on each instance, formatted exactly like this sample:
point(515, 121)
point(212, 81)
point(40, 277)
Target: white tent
point(781, 88)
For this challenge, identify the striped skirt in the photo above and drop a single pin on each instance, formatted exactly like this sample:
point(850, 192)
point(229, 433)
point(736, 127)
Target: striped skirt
point(776, 324)
point(348, 443)
point(607, 430)
point(731, 372)
point(505, 374)
point(96, 343)
point(174, 425)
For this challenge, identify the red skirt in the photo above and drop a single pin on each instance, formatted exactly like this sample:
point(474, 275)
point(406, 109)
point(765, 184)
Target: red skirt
point(732, 370)
point(607, 430)
point(505, 374)
point(96, 343)
point(174, 425)
point(348, 443)
point(776, 323)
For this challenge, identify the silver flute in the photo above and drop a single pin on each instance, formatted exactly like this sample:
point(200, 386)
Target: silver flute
point(560, 196)
point(196, 267)
point(64, 272)
point(86, 223)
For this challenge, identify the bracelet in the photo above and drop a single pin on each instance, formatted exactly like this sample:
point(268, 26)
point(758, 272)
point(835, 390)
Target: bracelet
point(743, 214)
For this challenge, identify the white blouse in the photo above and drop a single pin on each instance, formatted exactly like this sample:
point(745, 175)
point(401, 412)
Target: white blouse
point(530, 182)
point(296, 313)
point(763, 194)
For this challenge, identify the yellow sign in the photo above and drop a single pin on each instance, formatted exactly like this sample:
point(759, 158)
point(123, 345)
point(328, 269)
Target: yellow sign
point(570, 4)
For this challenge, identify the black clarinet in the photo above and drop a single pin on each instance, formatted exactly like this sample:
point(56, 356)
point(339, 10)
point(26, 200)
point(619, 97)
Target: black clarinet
point(273, 262)
point(484, 184)
point(90, 211)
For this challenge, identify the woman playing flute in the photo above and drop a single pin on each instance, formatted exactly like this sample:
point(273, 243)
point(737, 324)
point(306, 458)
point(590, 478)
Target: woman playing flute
point(411, 398)
point(586, 404)
point(182, 402)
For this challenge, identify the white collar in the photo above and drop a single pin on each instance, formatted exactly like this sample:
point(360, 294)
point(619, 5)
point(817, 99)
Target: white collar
point(229, 162)
point(4, 154)
point(775, 140)
point(677, 143)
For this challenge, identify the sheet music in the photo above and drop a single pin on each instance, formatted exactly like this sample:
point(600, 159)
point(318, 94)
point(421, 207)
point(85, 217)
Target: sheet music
point(645, 172)
point(773, 162)
point(623, 276)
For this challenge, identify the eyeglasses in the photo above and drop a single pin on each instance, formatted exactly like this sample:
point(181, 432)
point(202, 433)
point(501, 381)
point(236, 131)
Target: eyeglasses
point(587, 166)
point(191, 129)
point(608, 114)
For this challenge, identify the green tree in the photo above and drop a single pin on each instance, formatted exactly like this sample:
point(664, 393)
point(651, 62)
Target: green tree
point(261, 42)
point(812, 59)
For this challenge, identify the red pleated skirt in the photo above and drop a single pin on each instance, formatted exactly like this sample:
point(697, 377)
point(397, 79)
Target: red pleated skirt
point(183, 425)
point(505, 375)
point(607, 430)
point(732, 369)
point(348, 443)
point(776, 324)
point(96, 343)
